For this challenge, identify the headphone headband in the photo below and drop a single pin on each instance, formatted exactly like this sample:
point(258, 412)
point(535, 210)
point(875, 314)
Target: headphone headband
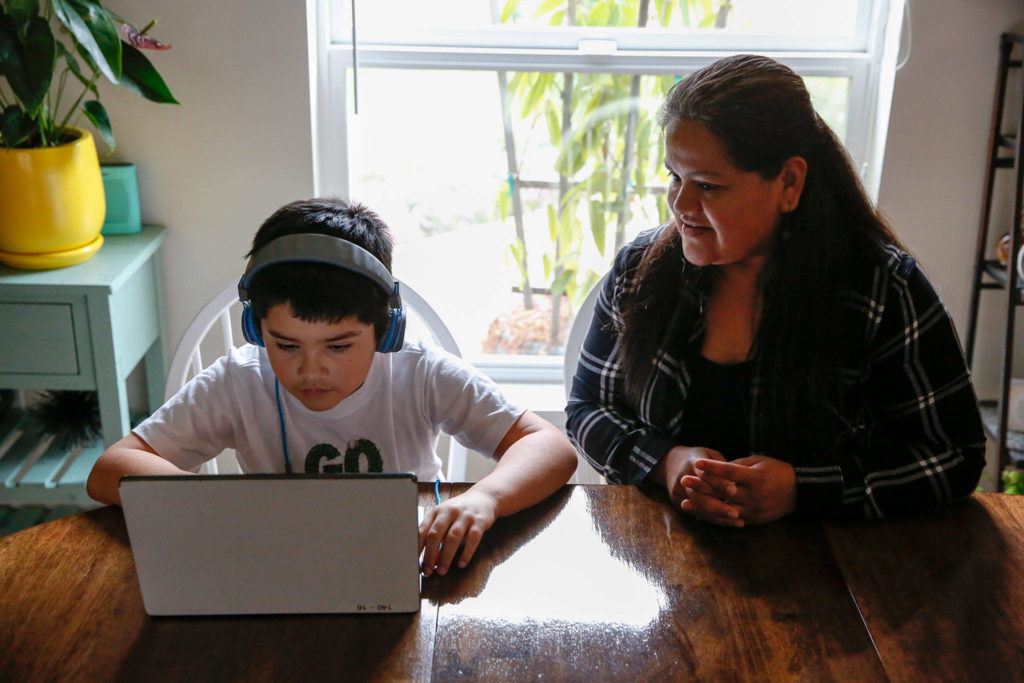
point(332, 251)
point(317, 248)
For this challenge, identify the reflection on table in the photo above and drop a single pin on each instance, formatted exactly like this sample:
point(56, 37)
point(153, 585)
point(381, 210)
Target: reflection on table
point(605, 582)
point(601, 582)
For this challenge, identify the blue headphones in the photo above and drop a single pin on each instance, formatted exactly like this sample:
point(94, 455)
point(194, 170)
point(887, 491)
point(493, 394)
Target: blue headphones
point(333, 251)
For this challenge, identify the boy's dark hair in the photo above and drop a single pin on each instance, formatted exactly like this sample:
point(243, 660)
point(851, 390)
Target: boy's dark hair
point(318, 292)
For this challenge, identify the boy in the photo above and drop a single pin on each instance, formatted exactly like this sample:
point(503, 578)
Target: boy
point(327, 379)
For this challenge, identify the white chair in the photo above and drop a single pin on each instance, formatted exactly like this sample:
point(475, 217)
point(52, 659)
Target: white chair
point(585, 474)
point(200, 341)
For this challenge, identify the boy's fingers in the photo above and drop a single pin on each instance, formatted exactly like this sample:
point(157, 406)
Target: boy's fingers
point(450, 545)
point(431, 543)
point(429, 558)
point(424, 528)
point(472, 542)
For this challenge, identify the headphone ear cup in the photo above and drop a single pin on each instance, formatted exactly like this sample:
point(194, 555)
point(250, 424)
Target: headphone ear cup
point(250, 328)
point(399, 323)
point(394, 333)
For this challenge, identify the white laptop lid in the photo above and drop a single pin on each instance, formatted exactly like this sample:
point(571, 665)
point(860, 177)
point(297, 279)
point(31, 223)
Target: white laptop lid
point(272, 544)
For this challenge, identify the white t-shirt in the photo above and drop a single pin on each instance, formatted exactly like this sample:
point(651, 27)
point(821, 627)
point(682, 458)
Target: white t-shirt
point(390, 424)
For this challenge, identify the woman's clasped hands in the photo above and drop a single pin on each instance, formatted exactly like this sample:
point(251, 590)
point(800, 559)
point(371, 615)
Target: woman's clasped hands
point(751, 490)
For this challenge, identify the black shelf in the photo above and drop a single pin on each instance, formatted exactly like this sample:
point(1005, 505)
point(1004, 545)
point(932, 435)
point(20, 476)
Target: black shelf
point(1014, 439)
point(1005, 150)
point(999, 275)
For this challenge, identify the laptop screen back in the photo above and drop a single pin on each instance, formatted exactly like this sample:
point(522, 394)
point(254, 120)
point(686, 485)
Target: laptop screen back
point(270, 544)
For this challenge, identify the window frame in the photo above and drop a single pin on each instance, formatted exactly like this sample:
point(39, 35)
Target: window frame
point(867, 58)
point(510, 36)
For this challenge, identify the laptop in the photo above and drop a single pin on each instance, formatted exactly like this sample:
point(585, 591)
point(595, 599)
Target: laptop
point(274, 544)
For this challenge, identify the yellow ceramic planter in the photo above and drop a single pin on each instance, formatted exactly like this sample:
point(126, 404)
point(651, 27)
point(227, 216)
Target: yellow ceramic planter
point(51, 204)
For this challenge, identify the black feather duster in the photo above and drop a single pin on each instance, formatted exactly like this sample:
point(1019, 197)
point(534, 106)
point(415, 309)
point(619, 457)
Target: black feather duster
point(73, 417)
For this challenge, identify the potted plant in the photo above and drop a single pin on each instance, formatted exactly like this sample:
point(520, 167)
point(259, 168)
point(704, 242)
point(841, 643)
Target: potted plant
point(52, 54)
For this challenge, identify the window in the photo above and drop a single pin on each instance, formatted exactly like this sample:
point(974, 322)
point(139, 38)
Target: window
point(513, 146)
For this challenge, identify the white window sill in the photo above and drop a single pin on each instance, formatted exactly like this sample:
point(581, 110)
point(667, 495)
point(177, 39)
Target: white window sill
point(521, 369)
point(545, 399)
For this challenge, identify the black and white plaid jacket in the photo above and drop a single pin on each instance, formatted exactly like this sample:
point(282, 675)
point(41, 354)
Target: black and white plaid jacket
point(908, 433)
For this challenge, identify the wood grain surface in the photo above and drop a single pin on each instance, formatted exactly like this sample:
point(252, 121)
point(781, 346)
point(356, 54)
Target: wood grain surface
point(942, 593)
point(604, 582)
point(596, 583)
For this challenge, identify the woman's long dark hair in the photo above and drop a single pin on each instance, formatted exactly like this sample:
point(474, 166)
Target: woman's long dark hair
point(762, 112)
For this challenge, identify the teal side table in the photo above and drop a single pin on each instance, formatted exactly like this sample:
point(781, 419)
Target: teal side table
point(83, 327)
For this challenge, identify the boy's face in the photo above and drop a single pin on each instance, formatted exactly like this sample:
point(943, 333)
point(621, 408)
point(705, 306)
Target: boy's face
point(318, 363)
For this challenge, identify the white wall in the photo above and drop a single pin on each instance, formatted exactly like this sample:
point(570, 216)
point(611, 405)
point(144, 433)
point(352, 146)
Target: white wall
point(238, 146)
point(933, 175)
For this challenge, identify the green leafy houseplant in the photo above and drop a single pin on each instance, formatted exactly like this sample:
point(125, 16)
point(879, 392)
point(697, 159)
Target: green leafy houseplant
point(45, 47)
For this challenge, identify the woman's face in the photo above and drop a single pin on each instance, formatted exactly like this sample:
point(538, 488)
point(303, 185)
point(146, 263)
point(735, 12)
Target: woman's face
point(726, 216)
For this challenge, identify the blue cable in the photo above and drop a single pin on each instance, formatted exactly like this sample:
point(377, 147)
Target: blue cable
point(437, 490)
point(280, 421)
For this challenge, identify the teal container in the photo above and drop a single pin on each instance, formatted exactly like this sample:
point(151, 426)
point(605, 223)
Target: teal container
point(121, 188)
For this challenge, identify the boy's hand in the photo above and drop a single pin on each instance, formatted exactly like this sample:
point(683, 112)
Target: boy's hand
point(459, 522)
point(759, 488)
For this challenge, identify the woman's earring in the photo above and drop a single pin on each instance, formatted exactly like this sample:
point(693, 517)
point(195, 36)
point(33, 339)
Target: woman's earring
point(787, 226)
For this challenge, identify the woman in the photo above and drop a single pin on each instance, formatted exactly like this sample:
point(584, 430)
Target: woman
point(773, 348)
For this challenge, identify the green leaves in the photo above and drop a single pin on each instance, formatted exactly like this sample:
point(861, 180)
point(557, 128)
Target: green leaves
point(15, 126)
point(516, 252)
point(38, 61)
point(94, 30)
point(34, 53)
point(22, 11)
point(97, 115)
point(554, 125)
point(552, 222)
point(598, 226)
point(591, 162)
point(27, 62)
point(72, 63)
point(536, 93)
point(509, 10)
point(561, 283)
point(547, 6)
point(140, 76)
point(1013, 481)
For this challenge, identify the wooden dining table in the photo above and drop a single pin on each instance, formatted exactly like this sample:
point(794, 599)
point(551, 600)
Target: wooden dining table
point(595, 583)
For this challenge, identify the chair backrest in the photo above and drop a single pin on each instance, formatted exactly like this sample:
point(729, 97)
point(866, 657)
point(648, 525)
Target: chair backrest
point(200, 341)
point(578, 333)
point(585, 474)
